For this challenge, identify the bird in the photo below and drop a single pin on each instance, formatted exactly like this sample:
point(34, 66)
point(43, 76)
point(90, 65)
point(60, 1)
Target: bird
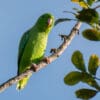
point(32, 45)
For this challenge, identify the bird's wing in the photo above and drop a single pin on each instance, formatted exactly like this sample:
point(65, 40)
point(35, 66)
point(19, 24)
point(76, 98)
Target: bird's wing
point(22, 45)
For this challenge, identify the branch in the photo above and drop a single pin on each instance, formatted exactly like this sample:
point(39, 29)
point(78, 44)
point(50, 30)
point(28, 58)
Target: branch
point(97, 78)
point(97, 7)
point(42, 64)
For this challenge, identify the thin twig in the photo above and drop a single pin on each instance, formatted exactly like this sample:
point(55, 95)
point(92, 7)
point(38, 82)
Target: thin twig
point(42, 64)
point(97, 7)
point(97, 78)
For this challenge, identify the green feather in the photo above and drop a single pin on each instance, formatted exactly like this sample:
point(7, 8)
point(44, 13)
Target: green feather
point(33, 44)
point(23, 42)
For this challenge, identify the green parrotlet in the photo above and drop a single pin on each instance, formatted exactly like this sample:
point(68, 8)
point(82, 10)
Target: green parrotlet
point(32, 45)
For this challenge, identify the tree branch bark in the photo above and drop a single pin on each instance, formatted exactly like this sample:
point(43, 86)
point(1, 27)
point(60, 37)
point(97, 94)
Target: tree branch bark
point(42, 64)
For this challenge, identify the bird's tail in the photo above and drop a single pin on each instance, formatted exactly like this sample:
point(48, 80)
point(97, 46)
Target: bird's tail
point(22, 83)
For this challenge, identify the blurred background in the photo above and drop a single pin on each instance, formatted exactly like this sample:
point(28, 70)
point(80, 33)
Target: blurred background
point(16, 17)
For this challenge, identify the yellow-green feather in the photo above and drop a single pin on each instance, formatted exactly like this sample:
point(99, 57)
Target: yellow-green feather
point(32, 46)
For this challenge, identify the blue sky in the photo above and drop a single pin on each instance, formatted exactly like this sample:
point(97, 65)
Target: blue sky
point(16, 16)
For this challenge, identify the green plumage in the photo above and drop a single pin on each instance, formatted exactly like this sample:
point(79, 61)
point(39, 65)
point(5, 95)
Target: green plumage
point(33, 44)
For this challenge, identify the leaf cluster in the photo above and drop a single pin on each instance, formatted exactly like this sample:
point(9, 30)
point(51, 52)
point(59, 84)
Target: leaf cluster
point(85, 3)
point(87, 76)
point(86, 15)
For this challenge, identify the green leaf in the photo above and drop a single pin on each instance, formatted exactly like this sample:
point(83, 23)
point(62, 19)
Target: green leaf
point(91, 34)
point(96, 26)
point(90, 2)
point(72, 78)
point(88, 79)
point(85, 93)
point(81, 3)
point(61, 20)
point(94, 63)
point(78, 61)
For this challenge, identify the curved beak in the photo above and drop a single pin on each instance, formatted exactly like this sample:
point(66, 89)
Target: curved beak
point(50, 21)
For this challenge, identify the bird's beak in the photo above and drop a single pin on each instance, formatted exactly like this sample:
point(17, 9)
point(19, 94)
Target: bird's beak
point(50, 21)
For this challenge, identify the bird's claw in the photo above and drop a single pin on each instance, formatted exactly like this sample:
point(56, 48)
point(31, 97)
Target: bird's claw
point(34, 67)
point(46, 59)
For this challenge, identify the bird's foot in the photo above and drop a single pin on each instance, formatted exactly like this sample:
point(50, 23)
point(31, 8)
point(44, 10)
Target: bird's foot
point(46, 60)
point(34, 67)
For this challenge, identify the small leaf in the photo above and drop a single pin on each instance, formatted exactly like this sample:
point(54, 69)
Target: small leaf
point(81, 3)
point(90, 2)
point(91, 34)
point(78, 61)
point(61, 20)
point(94, 63)
point(72, 78)
point(76, 9)
point(85, 93)
point(88, 79)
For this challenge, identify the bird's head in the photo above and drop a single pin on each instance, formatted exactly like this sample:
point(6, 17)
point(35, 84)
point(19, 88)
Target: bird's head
point(45, 22)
